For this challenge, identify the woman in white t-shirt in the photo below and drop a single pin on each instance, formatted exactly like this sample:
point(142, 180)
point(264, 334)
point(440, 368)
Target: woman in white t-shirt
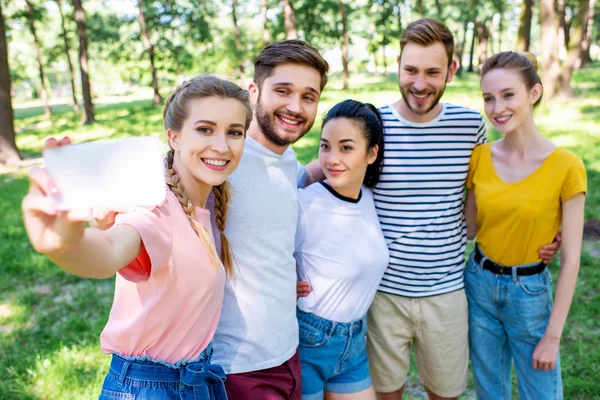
point(341, 253)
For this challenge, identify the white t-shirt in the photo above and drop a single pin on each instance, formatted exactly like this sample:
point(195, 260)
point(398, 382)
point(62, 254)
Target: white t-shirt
point(258, 327)
point(340, 250)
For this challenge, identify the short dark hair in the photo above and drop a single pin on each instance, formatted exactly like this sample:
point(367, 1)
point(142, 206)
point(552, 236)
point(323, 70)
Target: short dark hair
point(523, 63)
point(369, 121)
point(291, 51)
point(427, 31)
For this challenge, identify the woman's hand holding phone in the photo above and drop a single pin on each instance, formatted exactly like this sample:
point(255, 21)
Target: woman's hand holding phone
point(49, 229)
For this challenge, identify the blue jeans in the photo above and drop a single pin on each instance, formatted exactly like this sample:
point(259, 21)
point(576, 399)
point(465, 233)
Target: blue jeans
point(508, 315)
point(333, 356)
point(140, 378)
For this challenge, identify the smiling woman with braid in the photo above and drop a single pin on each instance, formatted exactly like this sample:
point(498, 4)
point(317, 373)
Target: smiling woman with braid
point(170, 280)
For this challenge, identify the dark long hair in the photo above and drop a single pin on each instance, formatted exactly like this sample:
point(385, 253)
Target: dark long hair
point(367, 118)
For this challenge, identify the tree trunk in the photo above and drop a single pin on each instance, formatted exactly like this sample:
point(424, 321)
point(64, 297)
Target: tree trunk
point(67, 52)
point(500, 26)
point(291, 30)
point(238, 41)
point(150, 48)
point(399, 19)
point(483, 35)
point(551, 71)
point(87, 117)
point(472, 51)
point(420, 8)
point(345, 42)
point(38, 56)
point(438, 8)
point(524, 35)
point(584, 57)
point(490, 40)
point(565, 27)
point(578, 38)
point(263, 14)
point(9, 154)
point(375, 63)
point(460, 49)
point(385, 71)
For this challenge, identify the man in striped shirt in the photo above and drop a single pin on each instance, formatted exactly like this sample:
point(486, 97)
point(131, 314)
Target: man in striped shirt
point(419, 201)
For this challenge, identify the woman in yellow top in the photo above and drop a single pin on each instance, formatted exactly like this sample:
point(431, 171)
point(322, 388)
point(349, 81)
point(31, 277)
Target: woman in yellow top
point(521, 190)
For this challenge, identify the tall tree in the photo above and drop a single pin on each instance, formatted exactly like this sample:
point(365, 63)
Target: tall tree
point(472, 14)
point(472, 51)
point(438, 8)
point(575, 47)
point(266, 35)
point(67, 53)
point(551, 68)
point(345, 43)
point(420, 8)
point(31, 17)
point(9, 154)
point(501, 6)
point(150, 49)
point(483, 36)
point(87, 117)
point(565, 26)
point(384, 25)
point(524, 35)
point(398, 12)
point(289, 15)
point(238, 40)
point(584, 57)
point(460, 48)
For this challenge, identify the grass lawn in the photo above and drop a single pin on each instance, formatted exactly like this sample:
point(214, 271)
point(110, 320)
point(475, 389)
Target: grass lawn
point(50, 321)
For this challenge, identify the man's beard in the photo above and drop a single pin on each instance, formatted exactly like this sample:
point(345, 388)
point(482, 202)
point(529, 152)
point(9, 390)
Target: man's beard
point(266, 123)
point(417, 111)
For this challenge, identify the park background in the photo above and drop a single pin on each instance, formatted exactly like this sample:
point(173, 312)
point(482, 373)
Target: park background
point(101, 69)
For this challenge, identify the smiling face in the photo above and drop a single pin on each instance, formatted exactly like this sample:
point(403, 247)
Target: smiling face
point(211, 141)
point(286, 103)
point(507, 101)
point(423, 73)
point(344, 156)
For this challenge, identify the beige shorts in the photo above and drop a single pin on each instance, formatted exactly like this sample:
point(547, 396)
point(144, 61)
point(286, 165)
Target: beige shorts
point(438, 328)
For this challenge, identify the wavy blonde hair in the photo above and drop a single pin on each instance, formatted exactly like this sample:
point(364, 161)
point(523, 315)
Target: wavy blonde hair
point(175, 112)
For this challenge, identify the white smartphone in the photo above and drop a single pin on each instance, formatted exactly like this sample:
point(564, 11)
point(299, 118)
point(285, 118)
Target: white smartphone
point(112, 174)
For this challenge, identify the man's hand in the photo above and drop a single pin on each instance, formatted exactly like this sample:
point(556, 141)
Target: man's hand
point(303, 289)
point(548, 252)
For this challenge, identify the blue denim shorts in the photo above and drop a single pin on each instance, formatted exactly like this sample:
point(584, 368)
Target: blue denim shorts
point(333, 356)
point(141, 378)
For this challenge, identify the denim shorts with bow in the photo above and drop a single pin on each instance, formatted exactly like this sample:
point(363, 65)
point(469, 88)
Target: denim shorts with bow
point(140, 378)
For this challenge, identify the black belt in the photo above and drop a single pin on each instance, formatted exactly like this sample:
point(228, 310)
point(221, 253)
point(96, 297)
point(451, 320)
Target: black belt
point(502, 270)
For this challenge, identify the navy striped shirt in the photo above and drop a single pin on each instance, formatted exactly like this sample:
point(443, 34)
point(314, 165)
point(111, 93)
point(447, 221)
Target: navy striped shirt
point(419, 199)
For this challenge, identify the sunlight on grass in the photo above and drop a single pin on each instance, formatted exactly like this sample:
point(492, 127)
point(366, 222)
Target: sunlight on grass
point(10, 315)
point(74, 372)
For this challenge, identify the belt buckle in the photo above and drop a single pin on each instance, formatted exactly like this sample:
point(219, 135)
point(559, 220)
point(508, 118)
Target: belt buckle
point(483, 260)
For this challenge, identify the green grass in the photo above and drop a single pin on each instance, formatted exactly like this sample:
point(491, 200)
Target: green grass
point(50, 321)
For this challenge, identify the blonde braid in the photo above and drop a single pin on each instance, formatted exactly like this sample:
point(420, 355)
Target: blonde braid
point(177, 188)
point(221, 193)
